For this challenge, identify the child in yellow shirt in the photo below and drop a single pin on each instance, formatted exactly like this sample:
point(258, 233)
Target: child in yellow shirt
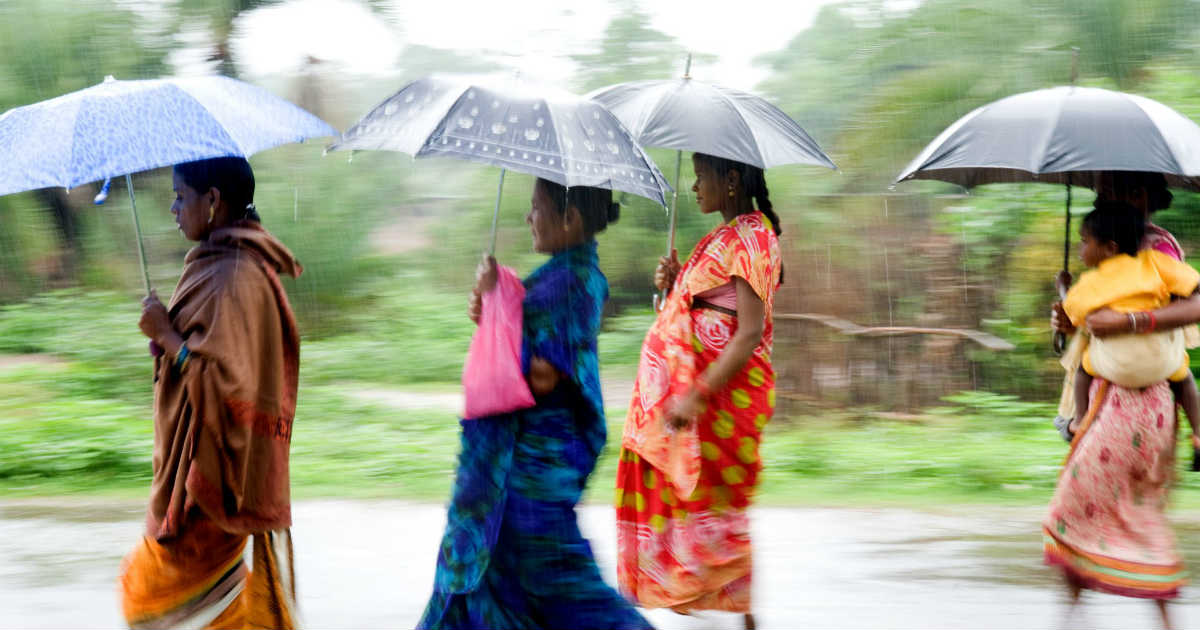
point(1134, 282)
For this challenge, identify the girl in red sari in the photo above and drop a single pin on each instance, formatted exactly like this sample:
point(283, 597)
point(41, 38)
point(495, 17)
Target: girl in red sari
point(689, 460)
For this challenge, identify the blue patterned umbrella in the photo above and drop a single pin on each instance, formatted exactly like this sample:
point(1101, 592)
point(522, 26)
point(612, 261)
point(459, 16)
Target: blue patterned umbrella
point(122, 127)
point(536, 130)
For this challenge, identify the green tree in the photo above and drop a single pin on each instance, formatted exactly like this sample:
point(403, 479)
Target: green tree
point(630, 50)
point(48, 49)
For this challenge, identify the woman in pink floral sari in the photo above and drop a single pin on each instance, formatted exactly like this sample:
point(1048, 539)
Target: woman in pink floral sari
point(1106, 526)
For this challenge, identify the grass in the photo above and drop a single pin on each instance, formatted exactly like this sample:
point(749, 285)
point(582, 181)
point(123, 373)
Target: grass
point(75, 418)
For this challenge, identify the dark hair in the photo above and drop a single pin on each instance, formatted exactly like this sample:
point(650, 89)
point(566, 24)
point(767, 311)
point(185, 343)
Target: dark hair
point(1155, 185)
point(1116, 222)
point(231, 175)
point(754, 183)
point(595, 204)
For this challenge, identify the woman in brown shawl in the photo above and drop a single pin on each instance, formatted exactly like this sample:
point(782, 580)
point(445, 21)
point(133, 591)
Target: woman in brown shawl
point(224, 399)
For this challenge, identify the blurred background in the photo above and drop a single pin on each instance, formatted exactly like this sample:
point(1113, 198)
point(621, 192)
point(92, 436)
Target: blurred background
point(922, 414)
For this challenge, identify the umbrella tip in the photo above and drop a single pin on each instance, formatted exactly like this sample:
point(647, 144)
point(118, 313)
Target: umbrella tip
point(102, 196)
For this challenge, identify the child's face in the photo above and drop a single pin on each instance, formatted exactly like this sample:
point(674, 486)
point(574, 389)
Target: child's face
point(1093, 251)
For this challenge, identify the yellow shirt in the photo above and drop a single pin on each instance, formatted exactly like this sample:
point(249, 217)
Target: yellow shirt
point(1129, 284)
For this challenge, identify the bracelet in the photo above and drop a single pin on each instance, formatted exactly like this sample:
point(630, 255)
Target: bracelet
point(1132, 322)
point(181, 359)
point(702, 388)
point(1153, 321)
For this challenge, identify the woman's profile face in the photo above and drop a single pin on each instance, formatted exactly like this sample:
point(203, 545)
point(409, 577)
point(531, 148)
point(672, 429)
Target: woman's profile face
point(708, 187)
point(191, 209)
point(546, 223)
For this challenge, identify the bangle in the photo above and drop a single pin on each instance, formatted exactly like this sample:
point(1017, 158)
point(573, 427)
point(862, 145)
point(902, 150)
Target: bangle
point(1132, 322)
point(181, 359)
point(1153, 321)
point(701, 387)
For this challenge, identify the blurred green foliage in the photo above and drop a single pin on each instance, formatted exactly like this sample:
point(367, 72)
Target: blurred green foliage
point(390, 244)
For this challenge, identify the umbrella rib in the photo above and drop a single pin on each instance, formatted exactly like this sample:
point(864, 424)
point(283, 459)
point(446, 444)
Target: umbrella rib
point(1041, 161)
point(750, 130)
point(200, 103)
point(657, 105)
point(557, 140)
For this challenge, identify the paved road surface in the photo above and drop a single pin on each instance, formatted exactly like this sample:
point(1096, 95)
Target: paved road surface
point(369, 564)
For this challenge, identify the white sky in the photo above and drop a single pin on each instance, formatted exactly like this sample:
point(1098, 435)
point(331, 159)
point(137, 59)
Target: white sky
point(534, 36)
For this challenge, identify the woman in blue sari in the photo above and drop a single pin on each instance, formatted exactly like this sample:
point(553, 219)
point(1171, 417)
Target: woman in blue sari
point(512, 555)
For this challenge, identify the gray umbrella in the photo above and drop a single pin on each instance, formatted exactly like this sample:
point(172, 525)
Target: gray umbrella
point(689, 115)
point(1063, 135)
point(514, 125)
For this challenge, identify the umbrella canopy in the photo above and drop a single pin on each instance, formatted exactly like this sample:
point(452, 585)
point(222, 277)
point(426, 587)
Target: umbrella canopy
point(122, 127)
point(539, 131)
point(688, 115)
point(1060, 135)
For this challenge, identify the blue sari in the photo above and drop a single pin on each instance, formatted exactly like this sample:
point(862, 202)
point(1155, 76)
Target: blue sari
point(512, 555)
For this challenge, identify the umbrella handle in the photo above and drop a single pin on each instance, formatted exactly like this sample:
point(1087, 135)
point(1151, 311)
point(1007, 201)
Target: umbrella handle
point(660, 298)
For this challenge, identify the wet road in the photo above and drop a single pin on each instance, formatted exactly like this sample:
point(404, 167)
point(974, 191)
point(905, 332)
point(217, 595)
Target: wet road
point(369, 564)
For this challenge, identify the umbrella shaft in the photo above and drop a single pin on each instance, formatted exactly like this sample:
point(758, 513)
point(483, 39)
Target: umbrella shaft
point(496, 213)
point(137, 228)
point(1067, 231)
point(661, 298)
point(674, 203)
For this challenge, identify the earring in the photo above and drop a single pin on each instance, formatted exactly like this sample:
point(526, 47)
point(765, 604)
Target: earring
point(212, 212)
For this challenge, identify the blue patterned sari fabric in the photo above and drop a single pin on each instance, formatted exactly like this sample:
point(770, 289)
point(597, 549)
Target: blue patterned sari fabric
point(512, 555)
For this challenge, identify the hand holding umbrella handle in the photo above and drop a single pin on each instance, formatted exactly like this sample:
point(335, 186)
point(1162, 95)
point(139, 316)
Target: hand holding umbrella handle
point(1057, 316)
point(1062, 282)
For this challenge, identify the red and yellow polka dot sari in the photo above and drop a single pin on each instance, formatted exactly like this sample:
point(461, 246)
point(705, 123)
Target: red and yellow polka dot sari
point(683, 536)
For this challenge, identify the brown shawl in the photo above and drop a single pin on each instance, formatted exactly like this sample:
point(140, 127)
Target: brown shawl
point(223, 426)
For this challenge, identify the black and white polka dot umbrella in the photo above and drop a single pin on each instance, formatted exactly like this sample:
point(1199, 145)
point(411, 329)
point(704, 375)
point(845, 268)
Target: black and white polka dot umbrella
point(539, 131)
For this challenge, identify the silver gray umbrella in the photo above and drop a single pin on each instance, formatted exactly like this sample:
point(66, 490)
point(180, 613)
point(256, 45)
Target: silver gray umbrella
point(1065, 135)
point(1060, 135)
point(536, 130)
point(689, 115)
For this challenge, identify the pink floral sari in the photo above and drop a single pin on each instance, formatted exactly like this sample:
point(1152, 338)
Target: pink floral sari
point(1106, 527)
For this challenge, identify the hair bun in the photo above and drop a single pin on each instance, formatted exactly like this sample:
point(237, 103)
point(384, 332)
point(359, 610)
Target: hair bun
point(614, 212)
